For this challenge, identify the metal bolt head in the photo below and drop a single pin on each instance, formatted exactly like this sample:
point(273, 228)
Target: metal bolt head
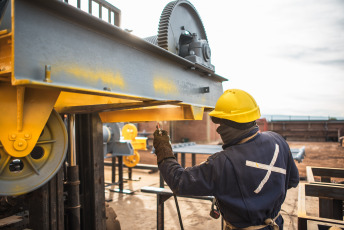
point(20, 144)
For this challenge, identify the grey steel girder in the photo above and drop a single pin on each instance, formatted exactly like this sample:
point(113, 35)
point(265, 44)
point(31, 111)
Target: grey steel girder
point(89, 55)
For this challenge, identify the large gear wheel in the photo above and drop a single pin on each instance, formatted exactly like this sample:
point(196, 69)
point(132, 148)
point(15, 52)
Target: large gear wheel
point(177, 18)
point(20, 175)
point(181, 32)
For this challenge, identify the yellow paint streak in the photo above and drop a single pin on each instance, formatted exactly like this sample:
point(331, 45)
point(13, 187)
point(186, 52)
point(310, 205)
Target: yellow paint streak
point(164, 85)
point(108, 78)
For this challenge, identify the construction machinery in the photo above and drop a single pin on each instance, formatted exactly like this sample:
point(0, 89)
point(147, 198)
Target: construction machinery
point(64, 72)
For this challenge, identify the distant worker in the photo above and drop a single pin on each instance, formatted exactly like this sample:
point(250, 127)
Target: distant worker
point(249, 178)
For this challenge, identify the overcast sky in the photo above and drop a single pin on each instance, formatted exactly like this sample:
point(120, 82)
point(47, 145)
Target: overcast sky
point(289, 54)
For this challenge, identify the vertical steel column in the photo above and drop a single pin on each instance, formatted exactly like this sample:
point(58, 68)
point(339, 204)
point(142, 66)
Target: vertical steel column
point(113, 170)
point(161, 198)
point(120, 173)
point(162, 183)
point(193, 156)
point(73, 201)
point(160, 213)
point(130, 173)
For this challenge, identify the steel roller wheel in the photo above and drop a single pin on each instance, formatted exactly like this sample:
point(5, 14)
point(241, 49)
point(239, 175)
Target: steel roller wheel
point(25, 174)
point(133, 160)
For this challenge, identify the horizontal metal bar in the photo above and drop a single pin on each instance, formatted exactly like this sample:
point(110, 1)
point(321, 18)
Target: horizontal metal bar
point(111, 107)
point(168, 192)
point(138, 166)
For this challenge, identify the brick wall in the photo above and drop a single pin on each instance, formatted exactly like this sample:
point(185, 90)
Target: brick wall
point(201, 132)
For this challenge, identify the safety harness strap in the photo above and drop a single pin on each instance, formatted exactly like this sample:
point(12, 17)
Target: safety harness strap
point(268, 222)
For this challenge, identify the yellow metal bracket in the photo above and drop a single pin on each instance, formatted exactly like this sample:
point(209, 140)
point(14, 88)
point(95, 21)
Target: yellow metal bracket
point(23, 115)
point(158, 113)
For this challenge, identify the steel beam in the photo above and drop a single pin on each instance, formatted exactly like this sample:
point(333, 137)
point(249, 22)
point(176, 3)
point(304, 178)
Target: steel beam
point(89, 55)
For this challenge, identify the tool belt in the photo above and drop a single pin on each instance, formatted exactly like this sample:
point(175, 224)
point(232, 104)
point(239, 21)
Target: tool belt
point(268, 222)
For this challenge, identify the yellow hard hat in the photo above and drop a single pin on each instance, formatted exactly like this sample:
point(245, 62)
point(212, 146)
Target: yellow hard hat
point(236, 105)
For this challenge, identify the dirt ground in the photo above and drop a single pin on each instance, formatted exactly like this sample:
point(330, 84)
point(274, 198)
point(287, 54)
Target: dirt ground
point(138, 211)
point(320, 154)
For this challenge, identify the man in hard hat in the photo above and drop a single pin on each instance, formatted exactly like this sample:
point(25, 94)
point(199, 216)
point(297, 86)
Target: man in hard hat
point(249, 178)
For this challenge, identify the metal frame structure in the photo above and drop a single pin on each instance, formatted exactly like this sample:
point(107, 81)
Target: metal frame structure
point(54, 56)
point(114, 14)
point(162, 195)
point(331, 197)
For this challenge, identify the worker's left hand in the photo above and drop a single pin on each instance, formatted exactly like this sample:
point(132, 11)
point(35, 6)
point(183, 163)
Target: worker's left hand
point(162, 145)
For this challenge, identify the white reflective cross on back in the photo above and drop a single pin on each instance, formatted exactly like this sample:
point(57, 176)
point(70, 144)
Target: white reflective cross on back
point(269, 169)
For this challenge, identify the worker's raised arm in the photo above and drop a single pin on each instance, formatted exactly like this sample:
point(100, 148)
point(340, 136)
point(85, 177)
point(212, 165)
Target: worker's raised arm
point(197, 180)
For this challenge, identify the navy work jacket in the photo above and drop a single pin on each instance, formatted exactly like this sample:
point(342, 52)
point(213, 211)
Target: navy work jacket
point(249, 180)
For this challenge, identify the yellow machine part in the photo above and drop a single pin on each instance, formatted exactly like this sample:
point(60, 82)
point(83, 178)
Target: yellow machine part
point(133, 160)
point(129, 132)
point(158, 113)
point(70, 99)
point(19, 175)
point(23, 115)
point(140, 143)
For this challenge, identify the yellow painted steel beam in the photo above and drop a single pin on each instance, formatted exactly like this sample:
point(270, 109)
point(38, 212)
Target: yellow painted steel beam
point(162, 113)
point(110, 106)
point(23, 115)
point(68, 100)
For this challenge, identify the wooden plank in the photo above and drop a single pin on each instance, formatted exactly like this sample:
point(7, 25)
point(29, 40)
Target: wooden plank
point(330, 208)
point(89, 139)
point(322, 220)
point(98, 173)
point(60, 200)
point(301, 223)
point(325, 191)
point(312, 224)
point(39, 208)
point(329, 172)
point(309, 172)
point(301, 200)
point(10, 220)
point(52, 204)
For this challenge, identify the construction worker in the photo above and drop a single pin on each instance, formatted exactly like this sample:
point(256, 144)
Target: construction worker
point(249, 178)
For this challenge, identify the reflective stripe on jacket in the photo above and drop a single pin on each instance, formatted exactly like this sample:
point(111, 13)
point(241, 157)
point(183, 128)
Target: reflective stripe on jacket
point(249, 180)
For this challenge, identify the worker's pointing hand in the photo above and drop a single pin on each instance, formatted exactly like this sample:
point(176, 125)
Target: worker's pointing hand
point(162, 145)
